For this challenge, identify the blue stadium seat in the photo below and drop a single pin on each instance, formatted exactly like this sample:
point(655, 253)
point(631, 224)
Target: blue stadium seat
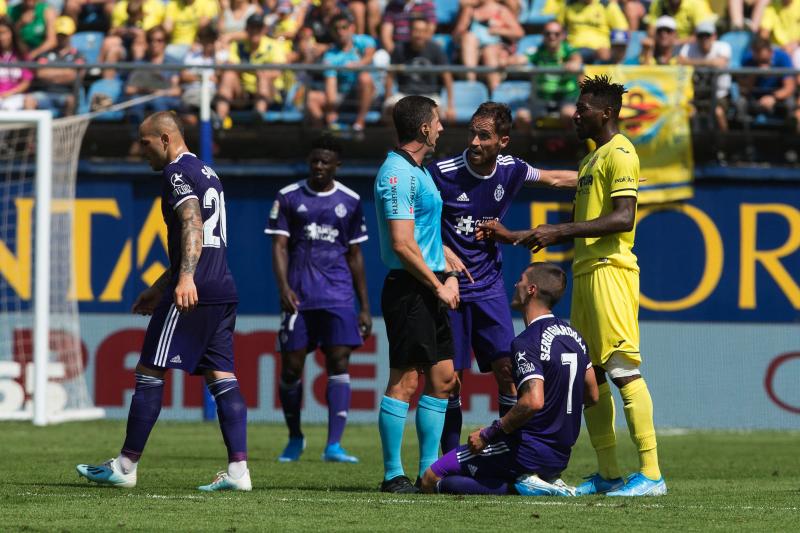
point(88, 44)
point(740, 42)
point(445, 40)
point(110, 88)
point(529, 44)
point(468, 96)
point(634, 48)
point(446, 11)
point(535, 15)
point(516, 94)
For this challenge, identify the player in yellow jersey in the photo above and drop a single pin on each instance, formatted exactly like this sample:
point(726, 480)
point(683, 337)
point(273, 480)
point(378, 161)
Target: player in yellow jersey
point(605, 298)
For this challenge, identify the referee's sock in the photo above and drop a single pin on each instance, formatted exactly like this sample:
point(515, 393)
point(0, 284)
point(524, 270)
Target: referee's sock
point(430, 421)
point(453, 419)
point(391, 423)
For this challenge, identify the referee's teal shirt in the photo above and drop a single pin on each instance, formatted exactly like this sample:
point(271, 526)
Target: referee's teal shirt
point(406, 191)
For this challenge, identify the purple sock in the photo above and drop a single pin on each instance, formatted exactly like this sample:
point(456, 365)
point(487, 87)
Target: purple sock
point(232, 413)
point(468, 485)
point(291, 395)
point(451, 434)
point(506, 401)
point(338, 396)
point(144, 411)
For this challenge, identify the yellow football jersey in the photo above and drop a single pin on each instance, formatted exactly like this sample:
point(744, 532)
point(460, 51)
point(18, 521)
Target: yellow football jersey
point(689, 14)
point(783, 22)
point(186, 18)
point(590, 25)
point(611, 171)
point(153, 11)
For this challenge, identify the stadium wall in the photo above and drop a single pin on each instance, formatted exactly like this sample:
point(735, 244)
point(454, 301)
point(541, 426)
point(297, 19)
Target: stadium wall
point(720, 299)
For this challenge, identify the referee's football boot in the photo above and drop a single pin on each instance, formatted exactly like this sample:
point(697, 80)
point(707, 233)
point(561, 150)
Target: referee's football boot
point(398, 485)
point(597, 484)
point(640, 485)
point(108, 473)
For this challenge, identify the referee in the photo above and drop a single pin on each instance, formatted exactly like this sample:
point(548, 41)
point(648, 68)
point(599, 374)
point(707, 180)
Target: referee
point(417, 291)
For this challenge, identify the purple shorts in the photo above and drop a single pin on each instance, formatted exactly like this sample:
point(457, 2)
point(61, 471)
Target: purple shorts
point(497, 461)
point(484, 326)
point(337, 326)
point(199, 340)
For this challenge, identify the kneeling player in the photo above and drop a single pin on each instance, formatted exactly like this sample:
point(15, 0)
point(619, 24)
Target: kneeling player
point(193, 306)
point(526, 451)
point(316, 227)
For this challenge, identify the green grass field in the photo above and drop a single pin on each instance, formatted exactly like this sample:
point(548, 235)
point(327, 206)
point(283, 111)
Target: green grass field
point(717, 481)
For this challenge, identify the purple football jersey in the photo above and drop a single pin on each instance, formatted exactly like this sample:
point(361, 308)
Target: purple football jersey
point(469, 199)
point(185, 178)
point(551, 350)
point(320, 226)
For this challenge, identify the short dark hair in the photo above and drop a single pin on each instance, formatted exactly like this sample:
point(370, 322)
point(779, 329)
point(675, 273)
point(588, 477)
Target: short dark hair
point(550, 280)
point(500, 115)
point(759, 43)
point(608, 93)
point(416, 17)
point(207, 34)
point(337, 18)
point(327, 142)
point(410, 113)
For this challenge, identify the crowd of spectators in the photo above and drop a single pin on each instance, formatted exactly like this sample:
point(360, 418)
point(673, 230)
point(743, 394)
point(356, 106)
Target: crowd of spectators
point(188, 34)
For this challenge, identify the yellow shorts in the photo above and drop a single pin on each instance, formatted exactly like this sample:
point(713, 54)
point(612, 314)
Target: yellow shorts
point(605, 311)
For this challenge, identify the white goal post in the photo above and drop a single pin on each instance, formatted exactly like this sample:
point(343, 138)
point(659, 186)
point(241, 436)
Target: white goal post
point(66, 397)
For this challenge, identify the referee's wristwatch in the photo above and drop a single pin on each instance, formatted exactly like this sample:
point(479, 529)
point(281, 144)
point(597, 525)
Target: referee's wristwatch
point(452, 274)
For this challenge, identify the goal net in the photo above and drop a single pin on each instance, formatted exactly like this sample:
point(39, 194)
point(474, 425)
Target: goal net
point(41, 355)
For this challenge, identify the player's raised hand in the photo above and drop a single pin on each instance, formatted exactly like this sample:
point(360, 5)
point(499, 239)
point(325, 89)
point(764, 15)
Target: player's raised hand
point(475, 442)
point(146, 302)
point(454, 264)
point(494, 230)
point(185, 294)
point(540, 237)
point(365, 324)
point(448, 295)
point(289, 301)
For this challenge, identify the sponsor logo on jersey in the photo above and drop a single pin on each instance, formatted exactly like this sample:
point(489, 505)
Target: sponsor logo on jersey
point(623, 150)
point(585, 181)
point(463, 197)
point(465, 225)
point(499, 192)
point(624, 179)
point(273, 213)
point(340, 210)
point(302, 209)
point(176, 360)
point(179, 187)
point(321, 232)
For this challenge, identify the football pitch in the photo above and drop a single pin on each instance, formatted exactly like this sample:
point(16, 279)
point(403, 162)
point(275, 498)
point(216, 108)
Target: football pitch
point(717, 481)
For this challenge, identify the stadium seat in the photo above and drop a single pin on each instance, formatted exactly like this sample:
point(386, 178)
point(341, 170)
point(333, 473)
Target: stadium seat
point(535, 15)
point(634, 48)
point(445, 40)
point(529, 44)
point(446, 11)
point(468, 96)
point(516, 94)
point(88, 44)
point(740, 42)
point(112, 89)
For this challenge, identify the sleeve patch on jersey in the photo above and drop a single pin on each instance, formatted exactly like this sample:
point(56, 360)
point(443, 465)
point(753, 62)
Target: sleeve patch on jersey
point(179, 186)
point(273, 213)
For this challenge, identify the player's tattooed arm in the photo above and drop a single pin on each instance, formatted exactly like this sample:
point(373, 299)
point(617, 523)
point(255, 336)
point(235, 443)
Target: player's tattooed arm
point(191, 247)
point(530, 399)
point(355, 260)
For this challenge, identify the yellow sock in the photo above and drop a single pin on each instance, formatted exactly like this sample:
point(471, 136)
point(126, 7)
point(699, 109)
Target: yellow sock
point(600, 424)
point(639, 414)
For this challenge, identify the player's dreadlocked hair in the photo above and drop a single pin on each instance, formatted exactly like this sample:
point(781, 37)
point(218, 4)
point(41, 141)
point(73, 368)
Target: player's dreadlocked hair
point(600, 87)
point(327, 142)
point(500, 115)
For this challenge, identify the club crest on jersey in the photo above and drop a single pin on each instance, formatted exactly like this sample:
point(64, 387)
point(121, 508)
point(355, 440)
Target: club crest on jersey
point(499, 192)
point(179, 186)
point(273, 213)
point(340, 210)
point(208, 172)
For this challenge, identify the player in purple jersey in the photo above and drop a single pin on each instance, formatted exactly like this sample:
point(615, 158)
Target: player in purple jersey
point(193, 308)
point(476, 186)
point(526, 450)
point(316, 227)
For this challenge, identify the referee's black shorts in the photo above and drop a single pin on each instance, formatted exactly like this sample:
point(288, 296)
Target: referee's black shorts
point(417, 323)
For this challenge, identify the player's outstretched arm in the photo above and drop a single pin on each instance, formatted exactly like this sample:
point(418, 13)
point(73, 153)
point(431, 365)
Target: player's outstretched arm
point(355, 260)
point(191, 247)
point(280, 266)
point(558, 179)
point(401, 235)
point(494, 230)
point(620, 220)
